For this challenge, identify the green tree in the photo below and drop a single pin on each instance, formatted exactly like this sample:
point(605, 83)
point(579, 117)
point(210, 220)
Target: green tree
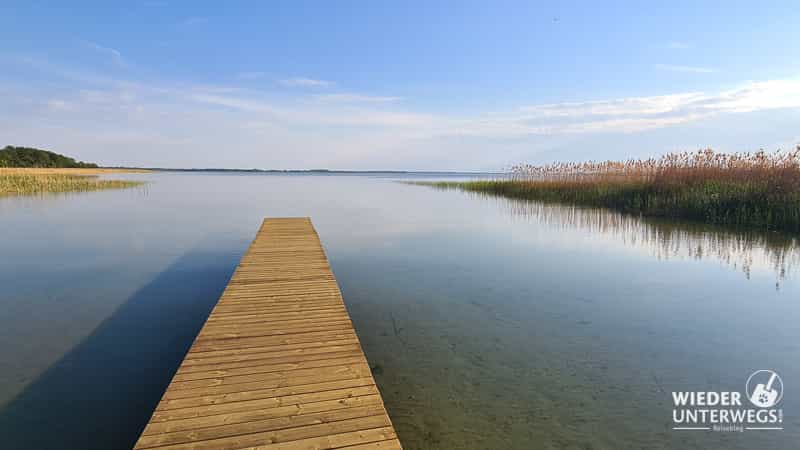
point(33, 157)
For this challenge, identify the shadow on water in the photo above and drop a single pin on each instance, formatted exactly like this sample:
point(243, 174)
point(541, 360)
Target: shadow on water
point(102, 392)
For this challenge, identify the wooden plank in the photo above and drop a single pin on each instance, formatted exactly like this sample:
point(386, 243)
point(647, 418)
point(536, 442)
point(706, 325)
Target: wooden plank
point(297, 359)
point(226, 429)
point(338, 396)
point(277, 365)
point(195, 403)
point(249, 354)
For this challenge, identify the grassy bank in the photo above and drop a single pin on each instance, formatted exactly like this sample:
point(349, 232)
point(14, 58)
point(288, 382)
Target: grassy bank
point(751, 190)
point(40, 181)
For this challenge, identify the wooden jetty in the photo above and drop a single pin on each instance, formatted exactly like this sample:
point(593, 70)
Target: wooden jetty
point(277, 364)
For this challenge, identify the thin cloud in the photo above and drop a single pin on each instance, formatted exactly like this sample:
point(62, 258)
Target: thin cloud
point(59, 105)
point(305, 82)
point(356, 98)
point(635, 114)
point(321, 115)
point(647, 105)
point(343, 128)
point(624, 115)
point(684, 69)
point(114, 54)
point(235, 103)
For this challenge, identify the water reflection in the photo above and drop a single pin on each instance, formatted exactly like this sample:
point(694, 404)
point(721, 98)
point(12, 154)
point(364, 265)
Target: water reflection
point(747, 251)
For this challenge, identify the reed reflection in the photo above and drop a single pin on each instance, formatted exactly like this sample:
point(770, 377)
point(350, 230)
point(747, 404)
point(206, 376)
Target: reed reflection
point(746, 251)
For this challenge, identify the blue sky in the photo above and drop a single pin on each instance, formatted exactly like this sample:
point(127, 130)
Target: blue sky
point(400, 85)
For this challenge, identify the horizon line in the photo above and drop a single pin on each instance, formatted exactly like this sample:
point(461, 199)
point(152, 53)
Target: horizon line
point(222, 169)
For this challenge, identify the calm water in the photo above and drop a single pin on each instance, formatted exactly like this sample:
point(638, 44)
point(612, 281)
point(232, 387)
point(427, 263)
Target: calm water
point(496, 324)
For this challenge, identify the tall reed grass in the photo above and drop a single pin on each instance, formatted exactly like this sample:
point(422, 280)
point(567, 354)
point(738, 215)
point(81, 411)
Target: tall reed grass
point(758, 189)
point(31, 182)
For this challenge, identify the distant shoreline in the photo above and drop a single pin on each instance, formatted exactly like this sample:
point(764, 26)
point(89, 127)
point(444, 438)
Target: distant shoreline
point(301, 171)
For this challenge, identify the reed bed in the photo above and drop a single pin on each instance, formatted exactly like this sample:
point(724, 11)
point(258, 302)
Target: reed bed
point(760, 190)
point(15, 182)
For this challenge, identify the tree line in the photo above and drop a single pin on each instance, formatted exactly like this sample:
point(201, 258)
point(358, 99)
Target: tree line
point(11, 156)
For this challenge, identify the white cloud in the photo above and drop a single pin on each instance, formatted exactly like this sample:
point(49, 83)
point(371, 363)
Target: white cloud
point(635, 114)
point(624, 115)
point(305, 82)
point(684, 69)
point(172, 123)
point(756, 96)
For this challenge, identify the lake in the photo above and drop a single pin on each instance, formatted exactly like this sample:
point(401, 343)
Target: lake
point(491, 324)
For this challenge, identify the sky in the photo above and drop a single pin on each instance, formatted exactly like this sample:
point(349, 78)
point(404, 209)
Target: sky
point(411, 85)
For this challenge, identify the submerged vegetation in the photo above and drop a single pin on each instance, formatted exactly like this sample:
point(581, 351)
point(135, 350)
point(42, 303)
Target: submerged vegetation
point(39, 181)
point(760, 190)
